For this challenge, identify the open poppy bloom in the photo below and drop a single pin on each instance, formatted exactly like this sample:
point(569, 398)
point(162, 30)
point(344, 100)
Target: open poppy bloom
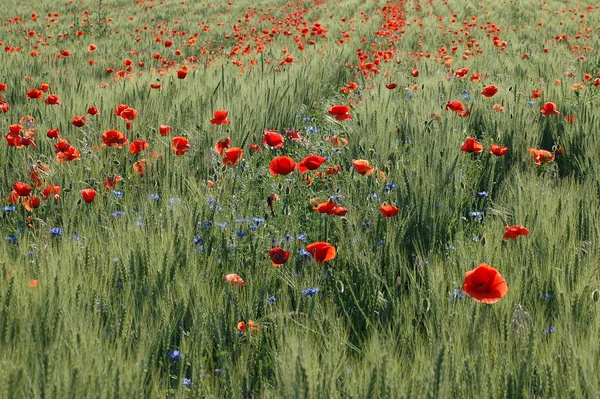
point(223, 145)
point(138, 146)
point(512, 232)
point(233, 279)
point(485, 284)
point(165, 130)
point(181, 73)
point(233, 156)
point(327, 207)
point(388, 210)
point(273, 139)
point(69, 154)
point(52, 99)
point(282, 166)
point(340, 112)
point(32, 203)
point(120, 108)
point(279, 256)
point(51, 190)
point(78, 121)
point(321, 251)
point(311, 162)
point(23, 189)
point(489, 91)
point(140, 167)
point(536, 93)
point(392, 86)
point(252, 326)
point(293, 135)
point(362, 167)
point(471, 145)
point(549, 109)
point(114, 138)
point(180, 145)
point(498, 150)
point(129, 114)
point(220, 118)
point(541, 156)
point(455, 106)
point(35, 94)
point(93, 110)
point(88, 195)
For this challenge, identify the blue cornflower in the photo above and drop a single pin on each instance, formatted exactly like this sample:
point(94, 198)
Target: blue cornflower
point(31, 253)
point(174, 355)
point(197, 240)
point(56, 231)
point(258, 220)
point(477, 215)
point(374, 197)
point(207, 224)
point(549, 330)
point(307, 119)
point(139, 223)
point(9, 208)
point(271, 299)
point(305, 253)
point(241, 234)
point(381, 243)
point(530, 102)
point(390, 187)
point(187, 382)
point(253, 227)
point(456, 294)
point(118, 194)
point(12, 239)
point(450, 248)
point(547, 296)
point(117, 214)
point(242, 221)
point(301, 237)
point(482, 194)
point(310, 291)
point(154, 197)
point(222, 224)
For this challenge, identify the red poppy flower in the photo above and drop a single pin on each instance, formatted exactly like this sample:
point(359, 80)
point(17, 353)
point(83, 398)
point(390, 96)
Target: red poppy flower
point(549, 109)
point(220, 118)
point(326, 207)
point(165, 130)
point(279, 256)
point(181, 74)
point(391, 86)
point(455, 106)
point(140, 167)
point(51, 190)
point(471, 145)
point(52, 99)
point(180, 145)
point(32, 203)
point(93, 110)
point(3, 87)
point(223, 145)
point(273, 139)
point(388, 210)
point(321, 251)
point(513, 232)
point(489, 91)
point(114, 138)
point(35, 94)
point(498, 150)
point(120, 108)
point(337, 141)
point(233, 279)
point(129, 114)
point(69, 154)
point(339, 211)
point(138, 146)
point(541, 156)
point(536, 93)
point(252, 326)
point(79, 121)
point(23, 189)
point(88, 195)
point(255, 147)
point(362, 166)
point(485, 284)
point(282, 166)
point(155, 86)
point(340, 112)
point(233, 156)
point(111, 181)
point(293, 135)
point(311, 162)
point(13, 197)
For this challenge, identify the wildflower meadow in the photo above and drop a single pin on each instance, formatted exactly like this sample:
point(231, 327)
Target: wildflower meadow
point(300, 199)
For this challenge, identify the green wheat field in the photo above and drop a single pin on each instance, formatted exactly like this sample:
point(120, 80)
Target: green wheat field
point(159, 208)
